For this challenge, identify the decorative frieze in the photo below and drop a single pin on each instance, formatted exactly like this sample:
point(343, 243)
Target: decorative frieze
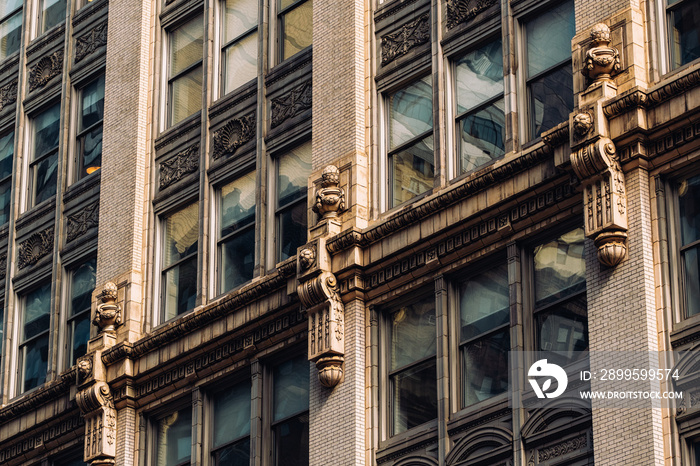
point(39, 245)
point(45, 70)
point(460, 11)
point(23, 447)
point(3, 265)
point(8, 94)
point(411, 35)
point(233, 135)
point(79, 223)
point(181, 165)
point(561, 449)
point(91, 41)
point(290, 104)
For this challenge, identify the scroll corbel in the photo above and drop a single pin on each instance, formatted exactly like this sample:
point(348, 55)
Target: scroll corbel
point(97, 406)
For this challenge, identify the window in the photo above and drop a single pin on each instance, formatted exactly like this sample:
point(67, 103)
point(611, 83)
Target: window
point(174, 438)
point(410, 144)
point(684, 31)
point(411, 364)
point(696, 450)
point(82, 284)
point(480, 106)
point(34, 338)
point(89, 137)
point(484, 334)
point(549, 73)
point(7, 150)
point(293, 169)
point(179, 259)
point(239, 43)
point(237, 232)
point(290, 412)
point(44, 160)
point(295, 26)
point(688, 191)
point(231, 426)
point(186, 46)
point(51, 13)
point(10, 27)
point(561, 319)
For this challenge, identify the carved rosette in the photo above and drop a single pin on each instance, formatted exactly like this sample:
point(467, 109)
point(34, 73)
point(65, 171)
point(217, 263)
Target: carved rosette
point(233, 135)
point(325, 312)
point(330, 199)
point(39, 245)
point(97, 405)
point(602, 61)
point(108, 315)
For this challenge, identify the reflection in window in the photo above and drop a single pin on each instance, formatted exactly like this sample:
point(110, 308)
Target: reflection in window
point(34, 338)
point(561, 317)
point(51, 13)
point(480, 106)
point(485, 335)
point(239, 39)
point(7, 150)
point(179, 271)
point(295, 26)
point(237, 232)
point(290, 412)
point(689, 213)
point(549, 75)
point(10, 27)
point(293, 169)
point(174, 438)
point(410, 154)
point(89, 138)
point(44, 161)
point(412, 369)
point(231, 433)
point(185, 70)
point(684, 31)
point(82, 284)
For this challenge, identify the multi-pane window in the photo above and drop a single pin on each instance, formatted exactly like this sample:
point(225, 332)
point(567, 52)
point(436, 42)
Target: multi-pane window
point(186, 49)
point(179, 262)
point(295, 26)
point(410, 141)
point(231, 426)
point(560, 314)
point(33, 354)
point(684, 31)
point(484, 334)
point(7, 143)
point(89, 137)
point(82, 284)
point(51, 13)
point(480, 106)
point(174, 438)
point(44, 157)
point(688, 190)
point(236, 232)
point(290, 412)
point(10, 27)
point(293, 169)
point(548, 67)
point(239, 43)
point(412, 364)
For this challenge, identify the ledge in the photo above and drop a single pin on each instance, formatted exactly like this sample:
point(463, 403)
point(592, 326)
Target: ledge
point(44, 394)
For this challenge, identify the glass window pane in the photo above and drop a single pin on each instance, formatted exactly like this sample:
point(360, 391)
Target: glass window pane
point(549, 38)
point(297, 29)
point(8, 6)
point(239, 16)
point(410, 112)
point(180, 289)
point(37, 311)
point(10, 34)
point(7, 151)
point(46, 129)
point(186, 46)
point(45, 178)
point(689, 209)
point(551, 100)
point(237, 204)
point(483, 136)
point(479, 76)
point(80, 336)
point(241, 62)
point(5, 200)
point(232, 414)
point(175, 438)
point(414, 399)
point(562, 331)
point(485, 367)
point(35, 362)
point(293, 170)
point(560, 267)
point(290, 388)
point(291, 439)
point(92, 105)
point(691, 266)
point(484, 302)
point(684, 32)
point(90, 147)
point(81, 287)
point(237, 260)
point(235, 454)
point(186, 95)
point(412, 171)
point(181, 234)
point(291, 226)
point(413, 332)
point(53, 12)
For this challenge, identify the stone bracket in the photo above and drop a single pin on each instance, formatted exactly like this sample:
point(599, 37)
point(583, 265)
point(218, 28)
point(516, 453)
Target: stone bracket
point(97, 406)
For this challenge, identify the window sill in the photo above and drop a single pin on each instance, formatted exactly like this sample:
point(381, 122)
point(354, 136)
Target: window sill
point(423, 435)
point(495, 407)
point(685, 333)
point(33, 213)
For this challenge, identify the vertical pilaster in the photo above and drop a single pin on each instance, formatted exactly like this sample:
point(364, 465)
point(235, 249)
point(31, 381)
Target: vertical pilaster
point(256, 406)
point(443, 366)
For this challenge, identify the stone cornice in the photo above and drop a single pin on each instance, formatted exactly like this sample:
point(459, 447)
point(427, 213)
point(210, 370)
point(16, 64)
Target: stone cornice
point(50, 391)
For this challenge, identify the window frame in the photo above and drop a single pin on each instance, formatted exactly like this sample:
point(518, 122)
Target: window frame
point(153, 424)
point(41, 24)
point(33, 161)
point(224, 46)
point(212, 394)
point(22, 342)
point(665, 11)
point(281, 12)
point(8, 179)
point(69, 319)
point(8, 17)
point(78, 172)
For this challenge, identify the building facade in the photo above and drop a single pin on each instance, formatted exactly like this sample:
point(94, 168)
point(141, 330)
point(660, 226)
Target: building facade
point(299, 232)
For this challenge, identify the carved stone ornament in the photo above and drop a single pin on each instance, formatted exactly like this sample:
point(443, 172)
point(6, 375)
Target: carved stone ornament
point(80, 222)
point(602, 61)
point(307, 257)
point(330, 199)
point(181, 165)
point(84, 368)
point(411, 34)
point(39, 245)
point(290, 104)
point(97, 405)
point(583, 122)
point(45, 70)
point(325, 312)
point(233, 135)
point(108, 315)
point(8, 94)
point(88, 43)
point(459, 11)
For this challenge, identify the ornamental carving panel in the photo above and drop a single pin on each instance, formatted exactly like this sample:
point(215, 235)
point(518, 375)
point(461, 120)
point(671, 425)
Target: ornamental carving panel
point(233, 135)
point(562, 448)
point(459, 11)
point(175, 169)
point(291, 104)
point(8, 94)
point(410, 35)
point(39, 245)
point(79, 223)
point(88, 43)
point(45, 70)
